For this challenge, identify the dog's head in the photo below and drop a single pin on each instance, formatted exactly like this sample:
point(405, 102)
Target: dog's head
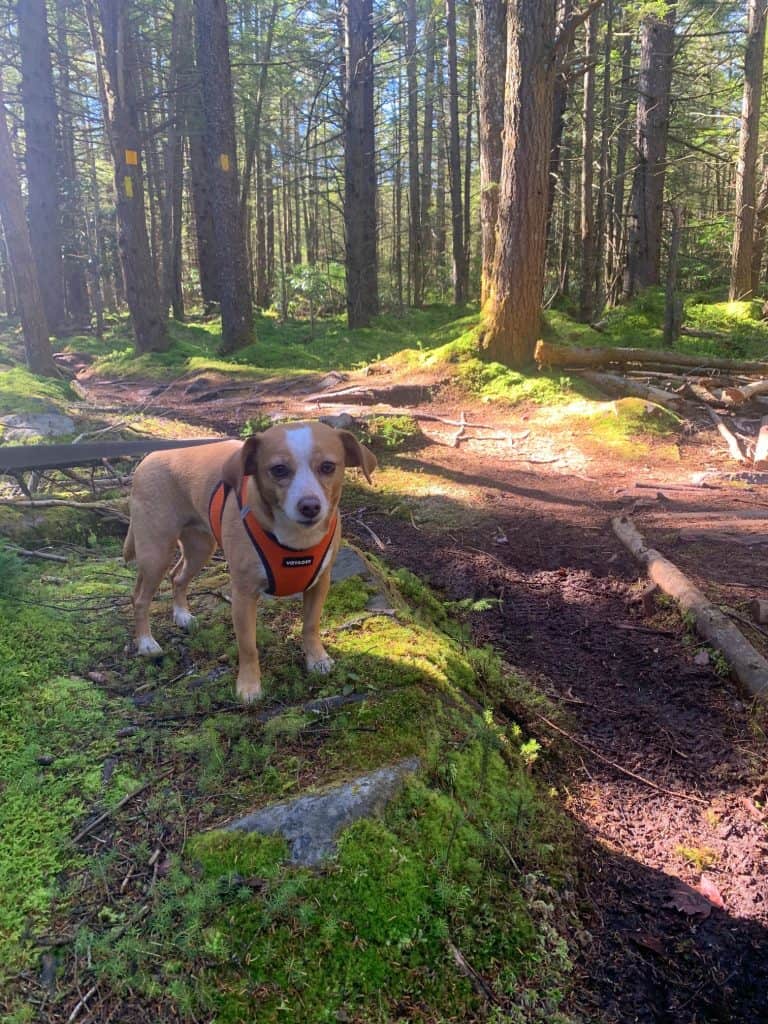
point(298, 469)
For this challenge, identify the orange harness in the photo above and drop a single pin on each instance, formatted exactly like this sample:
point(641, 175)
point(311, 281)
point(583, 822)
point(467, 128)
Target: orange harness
point(289, 571)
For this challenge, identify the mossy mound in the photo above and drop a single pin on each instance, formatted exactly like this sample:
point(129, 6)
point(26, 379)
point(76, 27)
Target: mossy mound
point(471, 856)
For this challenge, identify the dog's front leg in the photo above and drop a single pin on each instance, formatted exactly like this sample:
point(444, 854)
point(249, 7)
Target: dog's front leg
point(244, 606)
point(314, 599)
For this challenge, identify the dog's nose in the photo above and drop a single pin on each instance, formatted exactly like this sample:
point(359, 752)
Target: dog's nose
point(309, 508)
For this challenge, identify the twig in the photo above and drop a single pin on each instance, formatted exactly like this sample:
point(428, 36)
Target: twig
point(460, 432)
point(376, 539)
point(481, 985)
point(118, 806)
point(37, 554)
point(618, 767)
point(81, 1005)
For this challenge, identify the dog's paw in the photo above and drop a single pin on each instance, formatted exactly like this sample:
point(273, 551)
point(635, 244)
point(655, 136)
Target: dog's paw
point(148, 647)
point(248, 693)
point(183, 618)
point(322, 665)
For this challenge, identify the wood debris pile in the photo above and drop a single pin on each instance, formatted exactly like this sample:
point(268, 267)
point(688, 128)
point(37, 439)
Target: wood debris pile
point(731, 393)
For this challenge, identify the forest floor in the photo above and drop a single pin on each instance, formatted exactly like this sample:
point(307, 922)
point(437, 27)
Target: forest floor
point(664, 770)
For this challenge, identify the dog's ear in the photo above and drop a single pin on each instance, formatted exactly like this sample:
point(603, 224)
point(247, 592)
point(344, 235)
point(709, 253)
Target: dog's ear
point(356, 454)
point(241, 463)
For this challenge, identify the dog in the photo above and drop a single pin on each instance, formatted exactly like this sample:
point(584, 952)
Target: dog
point(270, 502)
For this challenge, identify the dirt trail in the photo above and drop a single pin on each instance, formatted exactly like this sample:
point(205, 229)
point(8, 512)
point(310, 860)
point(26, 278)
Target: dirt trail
point(628, 688)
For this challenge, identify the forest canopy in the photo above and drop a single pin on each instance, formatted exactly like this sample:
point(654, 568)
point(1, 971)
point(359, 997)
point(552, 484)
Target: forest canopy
point(318, 158)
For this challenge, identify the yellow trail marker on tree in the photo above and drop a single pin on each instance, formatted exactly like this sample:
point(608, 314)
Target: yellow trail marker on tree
point(128, 186)
point(132, 157)
point(224, 161)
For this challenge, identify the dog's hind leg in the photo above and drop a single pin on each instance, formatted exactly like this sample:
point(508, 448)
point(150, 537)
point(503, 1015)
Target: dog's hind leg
point(197, 546)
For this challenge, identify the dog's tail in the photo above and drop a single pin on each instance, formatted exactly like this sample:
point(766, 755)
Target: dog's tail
point(129, 546)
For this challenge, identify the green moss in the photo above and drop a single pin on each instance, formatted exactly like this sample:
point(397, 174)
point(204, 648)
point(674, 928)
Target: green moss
point(279, 348)
point(22, 391)
point(261, 938)
point(232, 932)
point(632, 428)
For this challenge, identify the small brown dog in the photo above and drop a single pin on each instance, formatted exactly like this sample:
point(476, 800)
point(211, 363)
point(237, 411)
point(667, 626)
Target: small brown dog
point(271, 504)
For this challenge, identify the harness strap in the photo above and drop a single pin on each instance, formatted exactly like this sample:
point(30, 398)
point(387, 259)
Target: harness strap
point(288, 570)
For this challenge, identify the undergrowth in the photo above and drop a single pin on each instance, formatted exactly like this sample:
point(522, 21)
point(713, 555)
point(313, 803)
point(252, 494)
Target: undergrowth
point(471, 855)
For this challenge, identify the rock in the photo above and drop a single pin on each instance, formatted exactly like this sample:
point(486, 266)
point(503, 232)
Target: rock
point(348, 563)
point(380, 603)
point(311, 824)
point(341, 422)
point(29, 425)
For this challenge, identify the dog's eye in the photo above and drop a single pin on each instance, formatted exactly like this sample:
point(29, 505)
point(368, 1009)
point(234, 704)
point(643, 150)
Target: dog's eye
point(327, 468)
point(280, 472)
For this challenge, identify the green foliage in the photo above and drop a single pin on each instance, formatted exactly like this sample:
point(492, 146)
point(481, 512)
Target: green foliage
point(382, 433)
point(11, 572)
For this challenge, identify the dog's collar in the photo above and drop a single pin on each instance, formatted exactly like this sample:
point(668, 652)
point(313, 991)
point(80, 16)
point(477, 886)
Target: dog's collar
point(288, 570)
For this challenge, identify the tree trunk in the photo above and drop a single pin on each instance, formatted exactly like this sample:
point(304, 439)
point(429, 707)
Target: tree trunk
point(415, 253)
point(491, 70)
point(761, 224)
point(359, 165)
point(231, 259)
point(42, 180)
point(471, 68)
point(654, 84)
point(454, 162)
point(201, 197)
point(602, 212)
point(72, 218)
point(512, 311)
point(34, 324)
point(426, 167)
point(744, 227)
point(587, 292)
point(617, 224)
point(119, 66)
point(171, 209)
point(673, 309)
point(560, 105)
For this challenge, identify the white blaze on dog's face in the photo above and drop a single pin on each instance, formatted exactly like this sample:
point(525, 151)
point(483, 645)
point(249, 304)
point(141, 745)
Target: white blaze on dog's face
point(299, 470)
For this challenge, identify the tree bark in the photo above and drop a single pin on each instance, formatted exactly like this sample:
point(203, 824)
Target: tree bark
point(588, 255)
point(512, 310)
point(72, 217)
point(761, 224)
point(40, 116)
point(34, 324)
point(560, 105)
point(454, 162)
point(119, 66)
point(359, 165)
point(428, 136)
point(617, 221)
point(654, 84)
point(415, 252)
point(749, 667)
point(171, 210)
point(744, 227)
point(550, 354)
point(673, 312)
point(221, 151)
point(491, 71)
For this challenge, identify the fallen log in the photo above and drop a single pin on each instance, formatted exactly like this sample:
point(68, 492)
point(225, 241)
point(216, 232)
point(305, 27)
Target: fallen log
point(747, 664)
point(620, 387)
point(728, 436)
point(744, 393)
point(550, 354)
point(761, 448)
